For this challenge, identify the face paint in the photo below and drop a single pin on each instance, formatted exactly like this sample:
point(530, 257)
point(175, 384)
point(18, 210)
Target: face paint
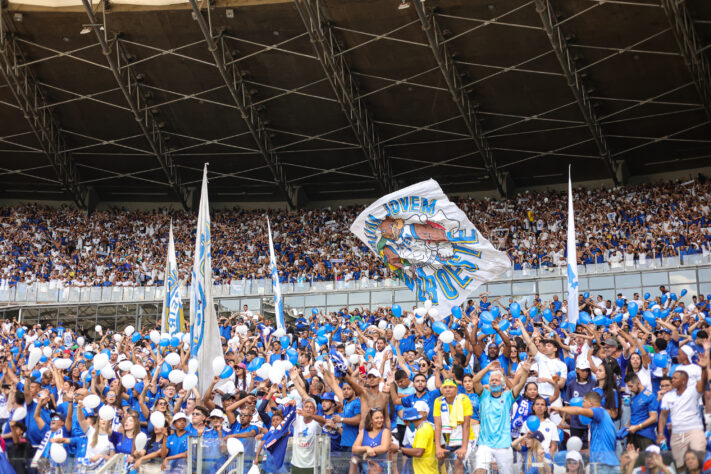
point(495, 388)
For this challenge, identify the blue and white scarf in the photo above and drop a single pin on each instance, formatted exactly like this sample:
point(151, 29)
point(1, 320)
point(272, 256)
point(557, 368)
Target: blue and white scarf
point(523, 411)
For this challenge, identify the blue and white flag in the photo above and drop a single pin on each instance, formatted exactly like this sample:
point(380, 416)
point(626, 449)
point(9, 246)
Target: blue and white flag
point(172, 318)
point(572, 259)
point(429, 244)
point(205, 342)
point(276, 288)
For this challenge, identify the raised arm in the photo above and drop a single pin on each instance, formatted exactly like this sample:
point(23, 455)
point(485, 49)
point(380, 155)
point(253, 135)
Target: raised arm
point(532, 349)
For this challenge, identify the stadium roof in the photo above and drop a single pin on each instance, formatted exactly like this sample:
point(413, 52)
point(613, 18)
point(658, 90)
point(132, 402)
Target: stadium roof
point(333, 99)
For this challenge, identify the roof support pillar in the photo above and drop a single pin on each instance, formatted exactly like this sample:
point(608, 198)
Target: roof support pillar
point(567, 63)
point(346, 90)
point(466, 108)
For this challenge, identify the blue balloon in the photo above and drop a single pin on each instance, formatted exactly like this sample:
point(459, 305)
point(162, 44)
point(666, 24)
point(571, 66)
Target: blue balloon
point(20, 333)
point(285, 341)
point(439, 327)
point(584, 317)
point(135, 337)
point(445, 347)
point(533, 312)
point(174, 341)
point(370, 354)
point(661, 360)
point(533, 423)
point(561, 436)
point(227, 372)
point(165, 370)
point(548, 315)
point(293, 356)
point(585, 420)
point(678, 309)
point(457, 312)
point(487, 329)
point(657, 312)
point(673, 297)
point(164, 342)
point(498, 341)
point(495, 311)
point(45, 343)
point(708, 320)
point(43, 359)
point(646, 296)
point(586, 295)
point(15, 350)
point(314, 311)
point(664, 298)
point(515, 309)
point(620, 302)
point(571, 327)
point(694, 334)
point(107, 352)
point(576, 402)
point(88, 355)
point(396, 310)
point(683, 292)
point(36, 374)
point(321, 340)
point(38, 344)
point(487, 317)
point(664, 313)
point(632, 308)
point(255, 364)
point(515, 332)
point(505, 324)
point(321, 331)
point(618, 318)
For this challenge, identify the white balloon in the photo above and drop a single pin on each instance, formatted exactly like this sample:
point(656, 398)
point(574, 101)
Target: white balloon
point(118, 337)
point(128, 331)
point(100, 361)
point(88, 348)
point(140, 441)
point(598, 312)
point(128, 381)
point(165, 335)
point(295, 395)
point(428, 304)
point(275, 375)
point(420, 320)
point(234, 446)
point(431, 385)
point(57, 340)
point(192, 365)
point(157, 419)
point(265, 332)
point(19, 414)
point(138, 371)
point(350, 349)
point(97, 328)
point(354, 359)
point(264, 371)
point(125, 365)
point(383, 324)
point(91, 401)
point(47, 351)
point(108, 373)
point(433, 312)
point(58, 453)
point(186, 338)
point(279, 332)
point(574, 444)
point(154, 336)
point(80, 341)
point(172, 359)
point(422, 312)
point(176, 376)
point(62, 364)
point(242, 329)
point(218, 364)
point(35, 355)
point(189, 381)
point(107, 412)
point(399, 332)
point(446, 337)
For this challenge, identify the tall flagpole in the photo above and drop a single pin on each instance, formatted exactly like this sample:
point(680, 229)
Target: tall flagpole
point(204, 333)
point(278, 303)
point(572, 259)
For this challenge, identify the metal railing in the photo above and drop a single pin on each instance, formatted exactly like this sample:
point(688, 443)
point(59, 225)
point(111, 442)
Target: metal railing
point(115, 465)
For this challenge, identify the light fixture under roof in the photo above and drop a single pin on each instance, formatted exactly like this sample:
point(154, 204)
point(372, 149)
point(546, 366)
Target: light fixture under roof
point(85, 31)
point(403, 4)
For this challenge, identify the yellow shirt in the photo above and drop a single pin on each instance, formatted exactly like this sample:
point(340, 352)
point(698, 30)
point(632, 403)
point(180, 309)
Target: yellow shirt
point(468, 411)
point(424, 438)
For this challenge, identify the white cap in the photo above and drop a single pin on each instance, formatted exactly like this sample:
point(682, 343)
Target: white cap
point(653, 448)
point(217, 413)
point(582, 363)
point(574, 455)
point(374, 373)
point(179, 416)
point(422, 407)
point(688, 351)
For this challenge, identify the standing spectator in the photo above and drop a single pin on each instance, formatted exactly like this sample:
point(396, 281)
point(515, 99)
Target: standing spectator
point(373, 440)
point(423, 447)
point(644, 414)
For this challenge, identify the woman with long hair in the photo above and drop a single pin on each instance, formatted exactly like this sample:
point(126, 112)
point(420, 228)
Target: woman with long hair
point(546, 426)
point(99, 447)
point(523, 408)
point(535, 458)
point(574, 463)
point(155, 448)
point(243, 379)
point(373, 440)
point(125, 438)
point(607, 389)
point(693, 462)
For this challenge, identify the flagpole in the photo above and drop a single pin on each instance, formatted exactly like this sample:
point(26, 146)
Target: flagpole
point(573, 286)
point(276, 287)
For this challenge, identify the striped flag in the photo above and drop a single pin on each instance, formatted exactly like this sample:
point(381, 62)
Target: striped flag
point(204, 334)
point(278, 303)
point(572, 259)
point(172, 317)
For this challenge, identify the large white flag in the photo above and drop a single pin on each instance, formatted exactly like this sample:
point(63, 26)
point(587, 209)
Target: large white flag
point(172, 318)
point(430, 245)
point(572, 259)
point(205, 336)
point(278, 304)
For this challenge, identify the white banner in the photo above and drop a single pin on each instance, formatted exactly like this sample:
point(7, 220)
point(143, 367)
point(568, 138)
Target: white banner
point(205, 336)
point(430, 245)
point(172, 315)
point(572, 259)
point(276, 287)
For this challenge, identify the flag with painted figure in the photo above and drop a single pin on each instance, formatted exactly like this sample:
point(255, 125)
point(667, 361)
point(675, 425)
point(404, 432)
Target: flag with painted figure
point(173, 319)
point(276, 288)
point(430, 245)
point(572, 259)
point(205, 342)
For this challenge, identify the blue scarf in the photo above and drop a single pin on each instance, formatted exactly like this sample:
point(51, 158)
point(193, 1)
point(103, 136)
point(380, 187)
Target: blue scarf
point(523, 411)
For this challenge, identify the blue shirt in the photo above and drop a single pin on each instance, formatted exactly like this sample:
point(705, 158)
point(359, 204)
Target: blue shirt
point(642, 405)
point(603, 438)
point(350, 432)
point(177, 444)
point(495, 419)
point(429, 397)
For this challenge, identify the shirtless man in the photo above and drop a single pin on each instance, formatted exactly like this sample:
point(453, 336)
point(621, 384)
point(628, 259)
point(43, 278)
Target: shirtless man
point(371, 396)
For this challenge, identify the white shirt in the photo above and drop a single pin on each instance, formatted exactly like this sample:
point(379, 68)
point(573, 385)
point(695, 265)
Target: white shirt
point(693, 371)
point(546, 369)
point(549, 431)
point(303, 454)
point(103, 444)
point(683, 409)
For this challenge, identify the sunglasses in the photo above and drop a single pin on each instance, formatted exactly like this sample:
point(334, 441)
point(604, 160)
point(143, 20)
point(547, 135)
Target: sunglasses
point(571, 461)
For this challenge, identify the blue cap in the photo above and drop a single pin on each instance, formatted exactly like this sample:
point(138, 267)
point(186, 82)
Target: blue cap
point(328, 396)
point(410, 414)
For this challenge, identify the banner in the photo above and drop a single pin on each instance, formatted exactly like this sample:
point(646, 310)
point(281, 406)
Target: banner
point(429, 244)
point(205, 342)
point(278, 303)
point(172, 317)
point(572, 259)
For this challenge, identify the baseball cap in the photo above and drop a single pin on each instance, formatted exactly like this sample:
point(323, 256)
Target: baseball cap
point(216, 413)
point(582, 363)
point(374, 373)
point(421, 406)
point(612, 342)
point(410, 414)
point(538, 435)
point(227, 396)
point(179, 416)
point(328, 396)
point(574, 455)
point(688, 351)
point(653, 449)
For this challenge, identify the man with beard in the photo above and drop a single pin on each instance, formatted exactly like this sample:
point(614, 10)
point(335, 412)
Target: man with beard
point(371, 396)
point(643, 419)
point(419, 382)
point(350, 418)
point(492, 352)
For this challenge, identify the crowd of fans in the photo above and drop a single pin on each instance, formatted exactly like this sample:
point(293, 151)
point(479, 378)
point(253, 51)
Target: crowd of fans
point(493, 387)
point(64, 247)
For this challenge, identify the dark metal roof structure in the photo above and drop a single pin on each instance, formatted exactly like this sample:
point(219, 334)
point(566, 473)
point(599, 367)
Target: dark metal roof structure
point(333, 99)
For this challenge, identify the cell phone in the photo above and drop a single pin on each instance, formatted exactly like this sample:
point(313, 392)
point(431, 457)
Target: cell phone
point(362, 370)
